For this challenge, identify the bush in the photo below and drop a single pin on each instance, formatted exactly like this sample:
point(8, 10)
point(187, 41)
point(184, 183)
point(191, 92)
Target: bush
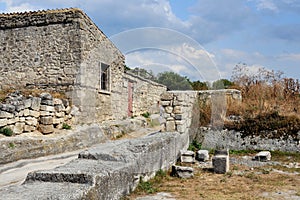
point(268, 125)
point(6, 131)
point(146, 114)
point(66, 126)
point(194, 146)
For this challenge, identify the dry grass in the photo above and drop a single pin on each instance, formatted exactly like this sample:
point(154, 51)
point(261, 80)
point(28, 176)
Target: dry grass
point(32, 92)
point(241, 182)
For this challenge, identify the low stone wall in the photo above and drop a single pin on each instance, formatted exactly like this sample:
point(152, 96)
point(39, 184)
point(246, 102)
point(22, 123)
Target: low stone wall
point(234, 140)
point(107, 171)
point(43, 113)
point(180, 109)
point(31, 145)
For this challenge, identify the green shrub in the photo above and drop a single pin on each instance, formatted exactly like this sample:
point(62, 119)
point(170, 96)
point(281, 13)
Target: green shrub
point(146, 114)
point(6, 131)
point(194, 146)
point(66, 126)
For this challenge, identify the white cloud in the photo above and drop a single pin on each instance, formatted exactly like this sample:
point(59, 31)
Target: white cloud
point(290, 57)
point(267, 5)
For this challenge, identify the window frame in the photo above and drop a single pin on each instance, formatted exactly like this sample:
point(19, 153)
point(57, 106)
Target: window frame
point(107, 72)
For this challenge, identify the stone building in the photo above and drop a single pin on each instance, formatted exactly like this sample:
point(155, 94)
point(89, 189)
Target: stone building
point(64, 51)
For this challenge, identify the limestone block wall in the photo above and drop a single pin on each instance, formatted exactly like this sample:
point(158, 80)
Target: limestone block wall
point(43, 113)
point(235, 140)
point(39, 49)
point(61, 50)
point(145, 95)
point(181, 108)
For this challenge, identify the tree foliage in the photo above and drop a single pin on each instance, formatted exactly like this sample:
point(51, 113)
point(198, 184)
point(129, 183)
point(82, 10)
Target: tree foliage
point(174, 81)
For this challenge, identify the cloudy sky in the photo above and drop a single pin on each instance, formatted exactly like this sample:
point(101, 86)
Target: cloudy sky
point(201, 39)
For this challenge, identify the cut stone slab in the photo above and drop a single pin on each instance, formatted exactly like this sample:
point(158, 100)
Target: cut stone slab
point(263, 156)
point(202, 155)
point(182, 172)
point(224, 152)
point(187, 156)
point(220, 164)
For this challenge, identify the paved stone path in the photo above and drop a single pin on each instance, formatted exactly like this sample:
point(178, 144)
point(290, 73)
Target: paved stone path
point(15, 173)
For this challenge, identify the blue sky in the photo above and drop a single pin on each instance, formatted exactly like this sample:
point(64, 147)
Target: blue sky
point(260, 33)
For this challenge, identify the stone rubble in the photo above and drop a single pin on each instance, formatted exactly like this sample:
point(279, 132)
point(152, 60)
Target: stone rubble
point(27, 114)
point(263, 156)
point(182, 172)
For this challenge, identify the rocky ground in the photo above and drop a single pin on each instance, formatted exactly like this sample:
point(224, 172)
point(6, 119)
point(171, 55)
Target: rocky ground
point(247, 179)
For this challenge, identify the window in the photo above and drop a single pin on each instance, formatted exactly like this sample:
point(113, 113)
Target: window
point(104, 77)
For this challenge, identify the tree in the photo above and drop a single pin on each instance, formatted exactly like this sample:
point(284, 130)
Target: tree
point(147, 74)
point(222, 84)
point(198, 85)
point(174, 81)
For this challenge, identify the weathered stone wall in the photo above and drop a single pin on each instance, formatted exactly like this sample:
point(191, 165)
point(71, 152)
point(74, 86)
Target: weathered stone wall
point(39, 49)
point(43, 113)
point(235, 140)
point(60, 50)
point(145, 97)
point(181, 108)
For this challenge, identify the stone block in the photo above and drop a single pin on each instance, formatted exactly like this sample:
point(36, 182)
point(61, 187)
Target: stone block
point(31, 121)
point(182, 172)
point(4, 114)
point(187, 156)
point(57, 101)
point(165, 103)
point(263, 156)
point(202, 155)
point(180, 128)
point(3, 122)
point(60, 114)
point(220, 164)
point(46, 113)
point(46, 120)
point(59, 108)
point(19, 108)
point(35, 103)
point(46, 96)
point(58, 120)
point(47, 108)
point(47, 102)
point(12, 120)
point(224, 152)
point(178, 117)
point(7, 108)
point(170, 126)
point(46, 129)
point(177, 110)
point(169, 109)
point(28, 128)
point(26, 112)
point(166, 96)
point(18, 127)
point(34, 113)
point(27, 103)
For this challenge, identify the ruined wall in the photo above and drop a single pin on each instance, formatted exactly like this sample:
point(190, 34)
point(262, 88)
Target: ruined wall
point(145, 97)
point(27, 114)
point(235, 140)
point(181, 108)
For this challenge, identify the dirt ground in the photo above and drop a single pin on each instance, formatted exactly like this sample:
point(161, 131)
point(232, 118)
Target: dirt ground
point(247, 179)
